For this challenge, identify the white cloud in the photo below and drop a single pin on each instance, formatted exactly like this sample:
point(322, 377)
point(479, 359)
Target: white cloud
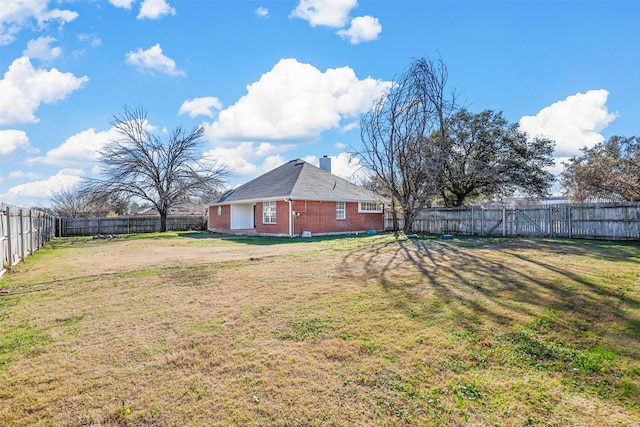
point(330, 13)
point(238, 158)
point(296, 101)
point(573, 123)
point(347, 167)
point(152, 60)
point(18, 14)
point(340, 145)
point(363, 29)
point(154, 9)
point(262, 12)
point(24, 88)
point(200, 106)
point(38, 192)
point(17, 174)
point(125, 4)
point(12, 140)
point(270, 163)
point(92, 40)
point(249, 159)
point(78, 149)
point(40, 48)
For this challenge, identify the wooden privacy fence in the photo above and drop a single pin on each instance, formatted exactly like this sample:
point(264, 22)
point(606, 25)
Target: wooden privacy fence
point(23, 231)
point(570, 220)
point(127, 225)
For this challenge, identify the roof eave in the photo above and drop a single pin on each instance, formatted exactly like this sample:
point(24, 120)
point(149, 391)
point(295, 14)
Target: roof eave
point(315, 199)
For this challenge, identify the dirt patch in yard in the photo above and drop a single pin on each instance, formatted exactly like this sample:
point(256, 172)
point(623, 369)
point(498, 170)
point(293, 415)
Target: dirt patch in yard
point(83, 258)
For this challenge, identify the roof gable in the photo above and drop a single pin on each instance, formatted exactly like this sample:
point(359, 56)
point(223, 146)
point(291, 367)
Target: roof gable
point(297, 179)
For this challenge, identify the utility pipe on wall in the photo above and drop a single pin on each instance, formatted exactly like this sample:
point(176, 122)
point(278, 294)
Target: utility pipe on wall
point(290, 217)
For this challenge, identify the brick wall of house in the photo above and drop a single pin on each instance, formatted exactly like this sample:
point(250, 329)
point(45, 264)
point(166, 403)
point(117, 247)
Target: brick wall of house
point(281, 227)
point(220, 222)
point(320, 217)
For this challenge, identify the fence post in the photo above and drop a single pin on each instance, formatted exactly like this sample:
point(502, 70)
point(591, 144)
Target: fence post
point(472, 224)
point(31, 233)
point(2, 230)
point(23, 255)
point(9, 245)
point(504, 221)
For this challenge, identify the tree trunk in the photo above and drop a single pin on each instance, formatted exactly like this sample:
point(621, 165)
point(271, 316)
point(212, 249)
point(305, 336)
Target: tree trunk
point(409, 216)
point(163, 222)
point(394, 217)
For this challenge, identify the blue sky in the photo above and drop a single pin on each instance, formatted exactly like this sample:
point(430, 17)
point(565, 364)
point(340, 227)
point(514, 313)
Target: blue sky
point(276, 80)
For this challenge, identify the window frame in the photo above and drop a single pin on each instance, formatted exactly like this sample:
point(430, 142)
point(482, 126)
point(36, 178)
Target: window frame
point(342, 210)
point(269, 212)
point(378, 208)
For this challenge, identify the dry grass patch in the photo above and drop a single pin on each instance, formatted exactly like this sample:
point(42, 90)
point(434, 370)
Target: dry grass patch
point(350, 331)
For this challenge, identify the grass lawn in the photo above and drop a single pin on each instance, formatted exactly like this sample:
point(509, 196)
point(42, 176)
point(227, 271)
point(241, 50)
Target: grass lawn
point(193, 329)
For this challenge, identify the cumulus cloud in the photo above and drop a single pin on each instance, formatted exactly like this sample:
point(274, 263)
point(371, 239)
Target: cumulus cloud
point(262, 12)
point(38, 192)
point(78, 149)
point(573, 123)
point(335, 13)
point(330, 13)
point(151, 60)
point(155, 9)
point(346, 167)
point(40, 48)
point(12, 140)
point(19, 175)
point(125, 4)
point(248, 158)
point(24, 88)
point(200, 106)
point(19, 14)
point(296, 101)
point(362, 29)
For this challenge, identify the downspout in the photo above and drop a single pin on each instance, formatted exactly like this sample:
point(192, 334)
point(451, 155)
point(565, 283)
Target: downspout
point(290, 217)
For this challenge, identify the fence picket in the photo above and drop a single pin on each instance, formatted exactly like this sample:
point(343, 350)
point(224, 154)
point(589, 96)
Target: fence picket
point(22, 233)
point(127, 225)
point(579, 220)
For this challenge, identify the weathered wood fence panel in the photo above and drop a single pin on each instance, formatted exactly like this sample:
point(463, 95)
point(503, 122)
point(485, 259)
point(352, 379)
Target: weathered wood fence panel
point(572, 220)
point(127, 225)
point(22, 232)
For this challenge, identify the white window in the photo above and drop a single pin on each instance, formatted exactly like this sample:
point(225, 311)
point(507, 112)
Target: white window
point(269, 212)
point(340, 211)
point(369, 207)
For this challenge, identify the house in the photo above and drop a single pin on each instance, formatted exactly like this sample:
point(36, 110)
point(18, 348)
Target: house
point(296, 199)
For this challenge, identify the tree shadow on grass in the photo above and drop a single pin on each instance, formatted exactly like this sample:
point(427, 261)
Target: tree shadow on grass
point(505, 282)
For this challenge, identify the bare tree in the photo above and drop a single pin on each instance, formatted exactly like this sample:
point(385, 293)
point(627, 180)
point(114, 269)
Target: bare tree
point(139, 166)
point(73, 202)
point(69, 202)
point(404, 137)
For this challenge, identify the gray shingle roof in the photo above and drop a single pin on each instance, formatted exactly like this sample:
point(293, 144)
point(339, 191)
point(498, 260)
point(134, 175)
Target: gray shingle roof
point(300, 180)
